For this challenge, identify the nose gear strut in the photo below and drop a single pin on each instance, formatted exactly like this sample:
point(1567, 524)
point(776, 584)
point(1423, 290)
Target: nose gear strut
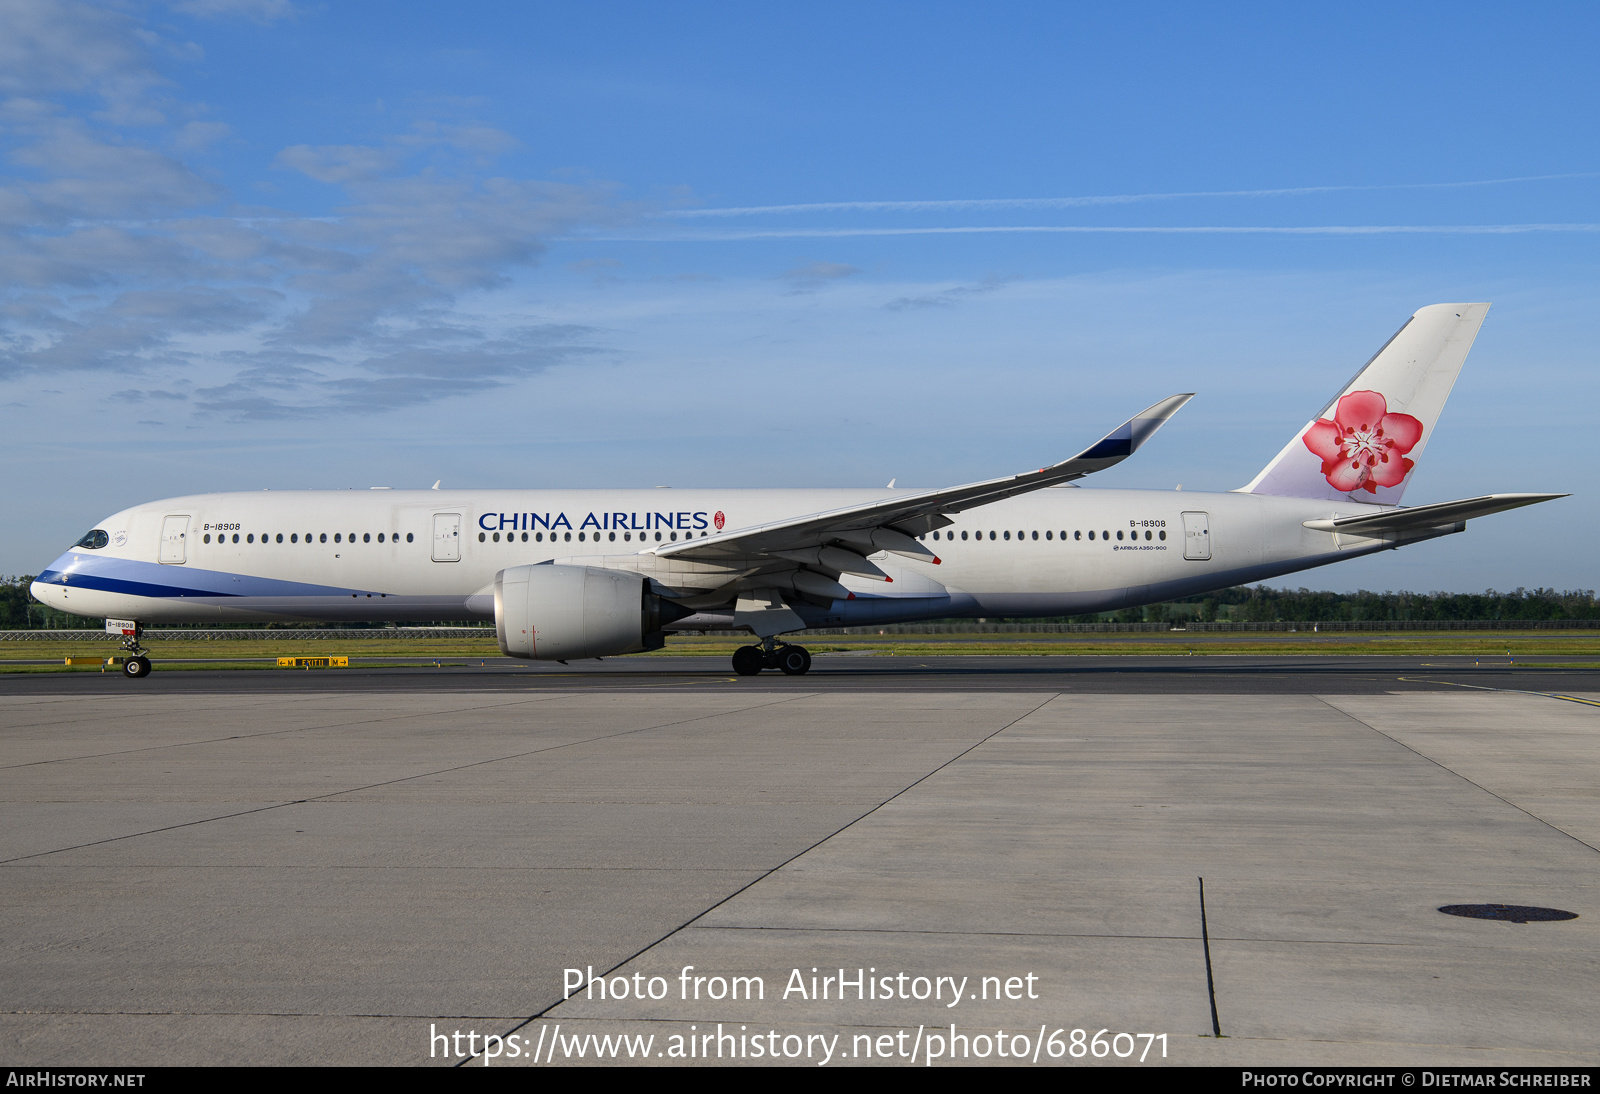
point(137, 666)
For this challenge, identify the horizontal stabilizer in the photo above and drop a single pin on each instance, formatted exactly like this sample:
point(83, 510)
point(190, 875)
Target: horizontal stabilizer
point(1427, 516)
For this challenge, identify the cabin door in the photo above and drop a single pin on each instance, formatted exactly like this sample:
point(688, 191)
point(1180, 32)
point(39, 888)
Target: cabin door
point(1196, 536)
point(174, 530)
point(447, 537)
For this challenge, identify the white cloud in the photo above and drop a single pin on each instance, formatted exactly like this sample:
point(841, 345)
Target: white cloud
point(121, 256)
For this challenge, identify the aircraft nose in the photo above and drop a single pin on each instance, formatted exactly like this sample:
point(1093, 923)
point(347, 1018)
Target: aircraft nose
point(46, 589)
point(43, 593)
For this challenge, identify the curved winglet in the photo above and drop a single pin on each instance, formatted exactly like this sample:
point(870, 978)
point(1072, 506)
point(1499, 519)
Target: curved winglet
point(914, 514)
point(1125, 440)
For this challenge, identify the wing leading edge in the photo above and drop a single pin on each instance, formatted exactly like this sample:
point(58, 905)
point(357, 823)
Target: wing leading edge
point(864, 527)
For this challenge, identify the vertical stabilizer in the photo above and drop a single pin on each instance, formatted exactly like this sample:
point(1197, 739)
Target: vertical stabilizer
point(1365, 443)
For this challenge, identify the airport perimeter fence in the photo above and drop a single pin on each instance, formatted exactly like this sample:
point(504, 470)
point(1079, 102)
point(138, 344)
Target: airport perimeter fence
point(1219, 627)
point(347, 634)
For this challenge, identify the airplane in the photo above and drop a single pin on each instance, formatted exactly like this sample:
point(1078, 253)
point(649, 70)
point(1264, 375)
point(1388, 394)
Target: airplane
point(569, 574)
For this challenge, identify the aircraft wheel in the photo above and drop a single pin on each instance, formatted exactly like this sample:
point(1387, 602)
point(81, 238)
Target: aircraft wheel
point(748, 660)
point(136, 668)
point(794, 660)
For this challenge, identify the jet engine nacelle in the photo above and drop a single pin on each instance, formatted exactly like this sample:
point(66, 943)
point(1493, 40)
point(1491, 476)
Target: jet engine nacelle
point(556, 613)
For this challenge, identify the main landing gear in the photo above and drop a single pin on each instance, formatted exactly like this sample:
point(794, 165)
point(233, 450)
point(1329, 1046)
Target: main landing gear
point(792, 660)
point(137, 666)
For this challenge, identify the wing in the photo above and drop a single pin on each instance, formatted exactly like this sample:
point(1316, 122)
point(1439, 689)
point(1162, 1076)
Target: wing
point(1439, 515)
point(893, 524)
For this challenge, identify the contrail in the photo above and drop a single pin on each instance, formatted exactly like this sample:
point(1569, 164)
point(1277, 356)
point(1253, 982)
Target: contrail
point(1102, 199)
point(1101, 229)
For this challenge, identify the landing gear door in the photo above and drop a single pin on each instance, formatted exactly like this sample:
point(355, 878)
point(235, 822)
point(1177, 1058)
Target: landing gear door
point(174, 530)
point(447, 537)
point(1196, 536)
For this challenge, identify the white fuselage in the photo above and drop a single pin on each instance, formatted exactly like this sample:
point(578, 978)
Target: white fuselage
point(432, 555)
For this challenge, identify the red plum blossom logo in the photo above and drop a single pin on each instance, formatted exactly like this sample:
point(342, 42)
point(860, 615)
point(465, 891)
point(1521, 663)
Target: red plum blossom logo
point(719, 520)
point(1364, 446)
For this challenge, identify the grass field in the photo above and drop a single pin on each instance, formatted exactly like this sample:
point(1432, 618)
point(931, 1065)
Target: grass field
point(1538, 648)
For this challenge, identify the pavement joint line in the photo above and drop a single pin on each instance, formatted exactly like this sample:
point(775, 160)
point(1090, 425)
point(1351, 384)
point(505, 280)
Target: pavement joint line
point(250, 736)
point(386, 782)
point(312, 869)
point(1511, 691)
point(1051, 934)
point(224, 700)
point(1459, 775)
point(706, 911)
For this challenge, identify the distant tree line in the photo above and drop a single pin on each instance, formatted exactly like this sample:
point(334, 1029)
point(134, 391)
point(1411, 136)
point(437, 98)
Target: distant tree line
point(1260, 604)
point(1242, 604)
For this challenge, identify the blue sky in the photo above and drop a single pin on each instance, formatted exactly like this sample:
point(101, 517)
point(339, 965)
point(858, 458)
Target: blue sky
point(267, 244)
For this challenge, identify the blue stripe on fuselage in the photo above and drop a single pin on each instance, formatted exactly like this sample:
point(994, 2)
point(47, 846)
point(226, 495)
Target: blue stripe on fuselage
point(125, 576)
point(81, 580)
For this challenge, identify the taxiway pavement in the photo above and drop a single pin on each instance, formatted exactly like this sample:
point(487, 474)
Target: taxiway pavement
point(301, 868)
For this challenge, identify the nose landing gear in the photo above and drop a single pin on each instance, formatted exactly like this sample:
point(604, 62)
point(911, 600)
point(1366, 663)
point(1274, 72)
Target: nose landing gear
point(790, 659)
point(136, 667)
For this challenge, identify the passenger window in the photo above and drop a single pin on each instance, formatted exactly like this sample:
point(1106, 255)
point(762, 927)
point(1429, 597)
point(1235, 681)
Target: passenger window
point(991, 535)
point(497, 537)
point(1119, 533)
point(658, 537)
point(1163, 535)
point(568, 537)
point(1036, 535)
point(1105, 535)
point(482, 536)
point(538, 537)
point(1147, 534)
point(612, 537)
point(236, 537)
point(280, 537)
point(251, 538)
point(1008, 534)
point(336, 537)
point(1091, 535)
point(1047, 535)
point(674, 537)
point(963, 535)
point(408, 536)
point(366, 537)
point(524, 537)
point(206, 538)
point(324, 537)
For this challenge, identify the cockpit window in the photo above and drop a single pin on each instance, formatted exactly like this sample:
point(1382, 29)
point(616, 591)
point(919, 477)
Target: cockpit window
point(94, 540)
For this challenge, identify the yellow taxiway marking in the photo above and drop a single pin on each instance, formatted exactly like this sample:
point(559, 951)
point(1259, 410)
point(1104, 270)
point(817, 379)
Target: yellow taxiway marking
point(1508, 691)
